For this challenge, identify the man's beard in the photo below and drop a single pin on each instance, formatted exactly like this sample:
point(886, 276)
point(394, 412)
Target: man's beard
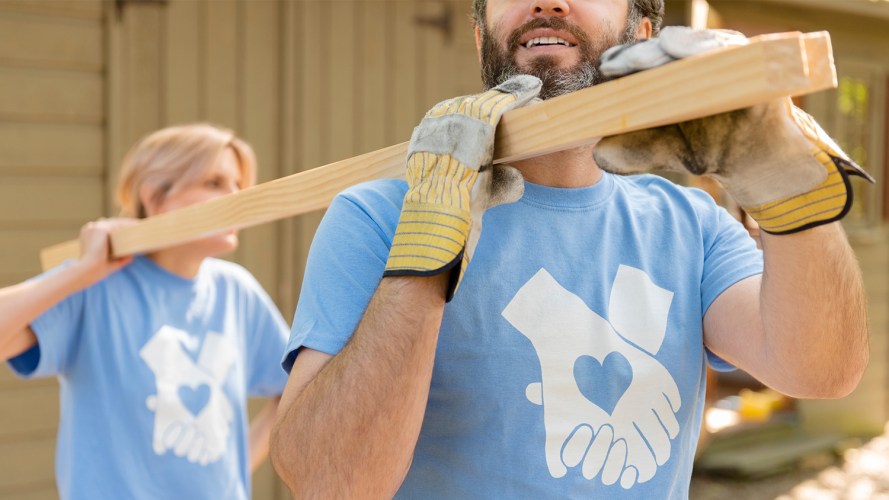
point(499, 63)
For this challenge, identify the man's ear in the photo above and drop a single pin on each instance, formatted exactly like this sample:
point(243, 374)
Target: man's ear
point(478, 43)
point(643, 32)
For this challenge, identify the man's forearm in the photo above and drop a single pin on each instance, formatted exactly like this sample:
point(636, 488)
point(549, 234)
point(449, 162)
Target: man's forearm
point(814, 313)
point(351, 431)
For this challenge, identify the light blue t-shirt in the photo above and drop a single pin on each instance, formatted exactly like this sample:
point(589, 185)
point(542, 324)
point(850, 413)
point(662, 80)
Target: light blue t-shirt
point(154, 372)
point(570, 363)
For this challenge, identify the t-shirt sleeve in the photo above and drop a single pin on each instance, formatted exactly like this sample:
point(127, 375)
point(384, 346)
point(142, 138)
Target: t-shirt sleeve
point(345, 264)
point(57, 331)
point(267, 340)
point(730, 256)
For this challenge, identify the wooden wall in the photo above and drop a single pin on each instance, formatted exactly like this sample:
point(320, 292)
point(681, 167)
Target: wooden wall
point(52, 169)
point(306, 82)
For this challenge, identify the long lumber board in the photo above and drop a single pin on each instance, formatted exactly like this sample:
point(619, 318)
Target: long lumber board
point(769, 67)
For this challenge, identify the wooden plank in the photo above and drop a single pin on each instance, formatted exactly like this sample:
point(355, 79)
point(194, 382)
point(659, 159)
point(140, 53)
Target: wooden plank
point(683, 90)
point(52, 202)
point(733, 78)
point(819, 61)
point(51, 96)
point(42, 41)
point(49, 149)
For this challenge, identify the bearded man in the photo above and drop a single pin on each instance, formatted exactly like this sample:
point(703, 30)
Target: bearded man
point(561, 352)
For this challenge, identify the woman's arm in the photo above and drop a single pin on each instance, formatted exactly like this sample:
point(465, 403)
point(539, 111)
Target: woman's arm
point(22, 303)
point(260, 430)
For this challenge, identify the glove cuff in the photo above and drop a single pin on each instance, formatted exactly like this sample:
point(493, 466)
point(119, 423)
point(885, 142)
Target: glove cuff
point(429, 240)
point(828, 202)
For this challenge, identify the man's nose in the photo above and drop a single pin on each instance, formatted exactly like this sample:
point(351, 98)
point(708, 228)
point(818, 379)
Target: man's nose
point(550, 8)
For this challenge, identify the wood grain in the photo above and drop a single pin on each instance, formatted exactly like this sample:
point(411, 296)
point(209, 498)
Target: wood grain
point(770, 67)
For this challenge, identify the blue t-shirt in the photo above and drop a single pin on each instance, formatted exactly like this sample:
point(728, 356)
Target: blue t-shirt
point(570, 363)
point(154, 374)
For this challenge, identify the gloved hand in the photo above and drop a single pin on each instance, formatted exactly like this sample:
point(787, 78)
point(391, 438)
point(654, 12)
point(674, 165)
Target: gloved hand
point(452, 182)
point(773, 158)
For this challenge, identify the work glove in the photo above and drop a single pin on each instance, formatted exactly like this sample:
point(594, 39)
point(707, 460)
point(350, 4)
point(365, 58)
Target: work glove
point(773, 158)
point(451, 182)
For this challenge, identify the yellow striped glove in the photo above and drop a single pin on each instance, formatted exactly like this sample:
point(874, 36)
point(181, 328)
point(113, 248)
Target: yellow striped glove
point(773, 158)
point(451, 182)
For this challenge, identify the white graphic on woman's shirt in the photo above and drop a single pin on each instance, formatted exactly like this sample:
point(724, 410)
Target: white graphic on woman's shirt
point(192, 414)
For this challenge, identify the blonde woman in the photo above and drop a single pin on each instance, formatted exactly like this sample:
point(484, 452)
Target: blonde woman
point(156, 354)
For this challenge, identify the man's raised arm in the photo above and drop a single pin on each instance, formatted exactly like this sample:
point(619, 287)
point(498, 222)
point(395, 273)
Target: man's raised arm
point(347, 425)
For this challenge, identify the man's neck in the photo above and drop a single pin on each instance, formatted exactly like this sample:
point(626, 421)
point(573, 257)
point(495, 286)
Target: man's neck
point(572, 168)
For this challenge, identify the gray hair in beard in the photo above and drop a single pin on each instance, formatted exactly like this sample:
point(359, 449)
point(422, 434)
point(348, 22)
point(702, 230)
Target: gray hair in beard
point(499, 64)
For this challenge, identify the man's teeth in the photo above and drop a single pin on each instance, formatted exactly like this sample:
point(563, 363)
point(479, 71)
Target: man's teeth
point(546, 40)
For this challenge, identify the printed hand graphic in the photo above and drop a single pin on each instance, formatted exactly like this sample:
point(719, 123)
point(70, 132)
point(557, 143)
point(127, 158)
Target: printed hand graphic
point(201, 437)
point(607, 417)
point(192, 414)
point(645, 416)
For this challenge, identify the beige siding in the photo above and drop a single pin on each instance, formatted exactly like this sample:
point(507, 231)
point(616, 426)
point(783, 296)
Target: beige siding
point(306, 82)
point(52, 180)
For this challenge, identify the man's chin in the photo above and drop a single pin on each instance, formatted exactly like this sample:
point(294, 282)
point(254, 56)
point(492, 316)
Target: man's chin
point(540, 63)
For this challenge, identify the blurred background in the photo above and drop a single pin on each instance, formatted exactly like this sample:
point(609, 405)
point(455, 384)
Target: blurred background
point(308, 82)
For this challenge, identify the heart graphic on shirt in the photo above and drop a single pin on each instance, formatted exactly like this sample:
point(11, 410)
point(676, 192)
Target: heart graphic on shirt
point(603, 383)
point(195, 399)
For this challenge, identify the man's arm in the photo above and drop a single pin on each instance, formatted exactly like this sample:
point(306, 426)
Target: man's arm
point(348, 424)
point(800, 328)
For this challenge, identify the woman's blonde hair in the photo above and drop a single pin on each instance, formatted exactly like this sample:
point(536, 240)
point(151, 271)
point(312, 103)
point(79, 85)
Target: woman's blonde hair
point(174, 158)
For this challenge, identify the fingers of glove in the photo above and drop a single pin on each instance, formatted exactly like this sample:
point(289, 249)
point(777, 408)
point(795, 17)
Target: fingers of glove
point(682, 41)
point(644, 150)
point(464, 127)
point(494, 186)
point(491, 104)
point(674, 42)
point(767, 155)
point(523, 89)
point(498, 185)
point(623, 60)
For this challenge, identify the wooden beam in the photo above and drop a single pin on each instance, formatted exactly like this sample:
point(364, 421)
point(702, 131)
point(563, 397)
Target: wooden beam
point(770, 67)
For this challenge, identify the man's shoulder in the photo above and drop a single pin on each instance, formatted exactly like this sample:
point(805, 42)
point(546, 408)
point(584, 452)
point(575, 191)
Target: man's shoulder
point(374, 193)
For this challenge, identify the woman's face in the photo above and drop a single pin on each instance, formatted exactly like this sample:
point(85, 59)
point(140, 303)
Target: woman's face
point(222, 178)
